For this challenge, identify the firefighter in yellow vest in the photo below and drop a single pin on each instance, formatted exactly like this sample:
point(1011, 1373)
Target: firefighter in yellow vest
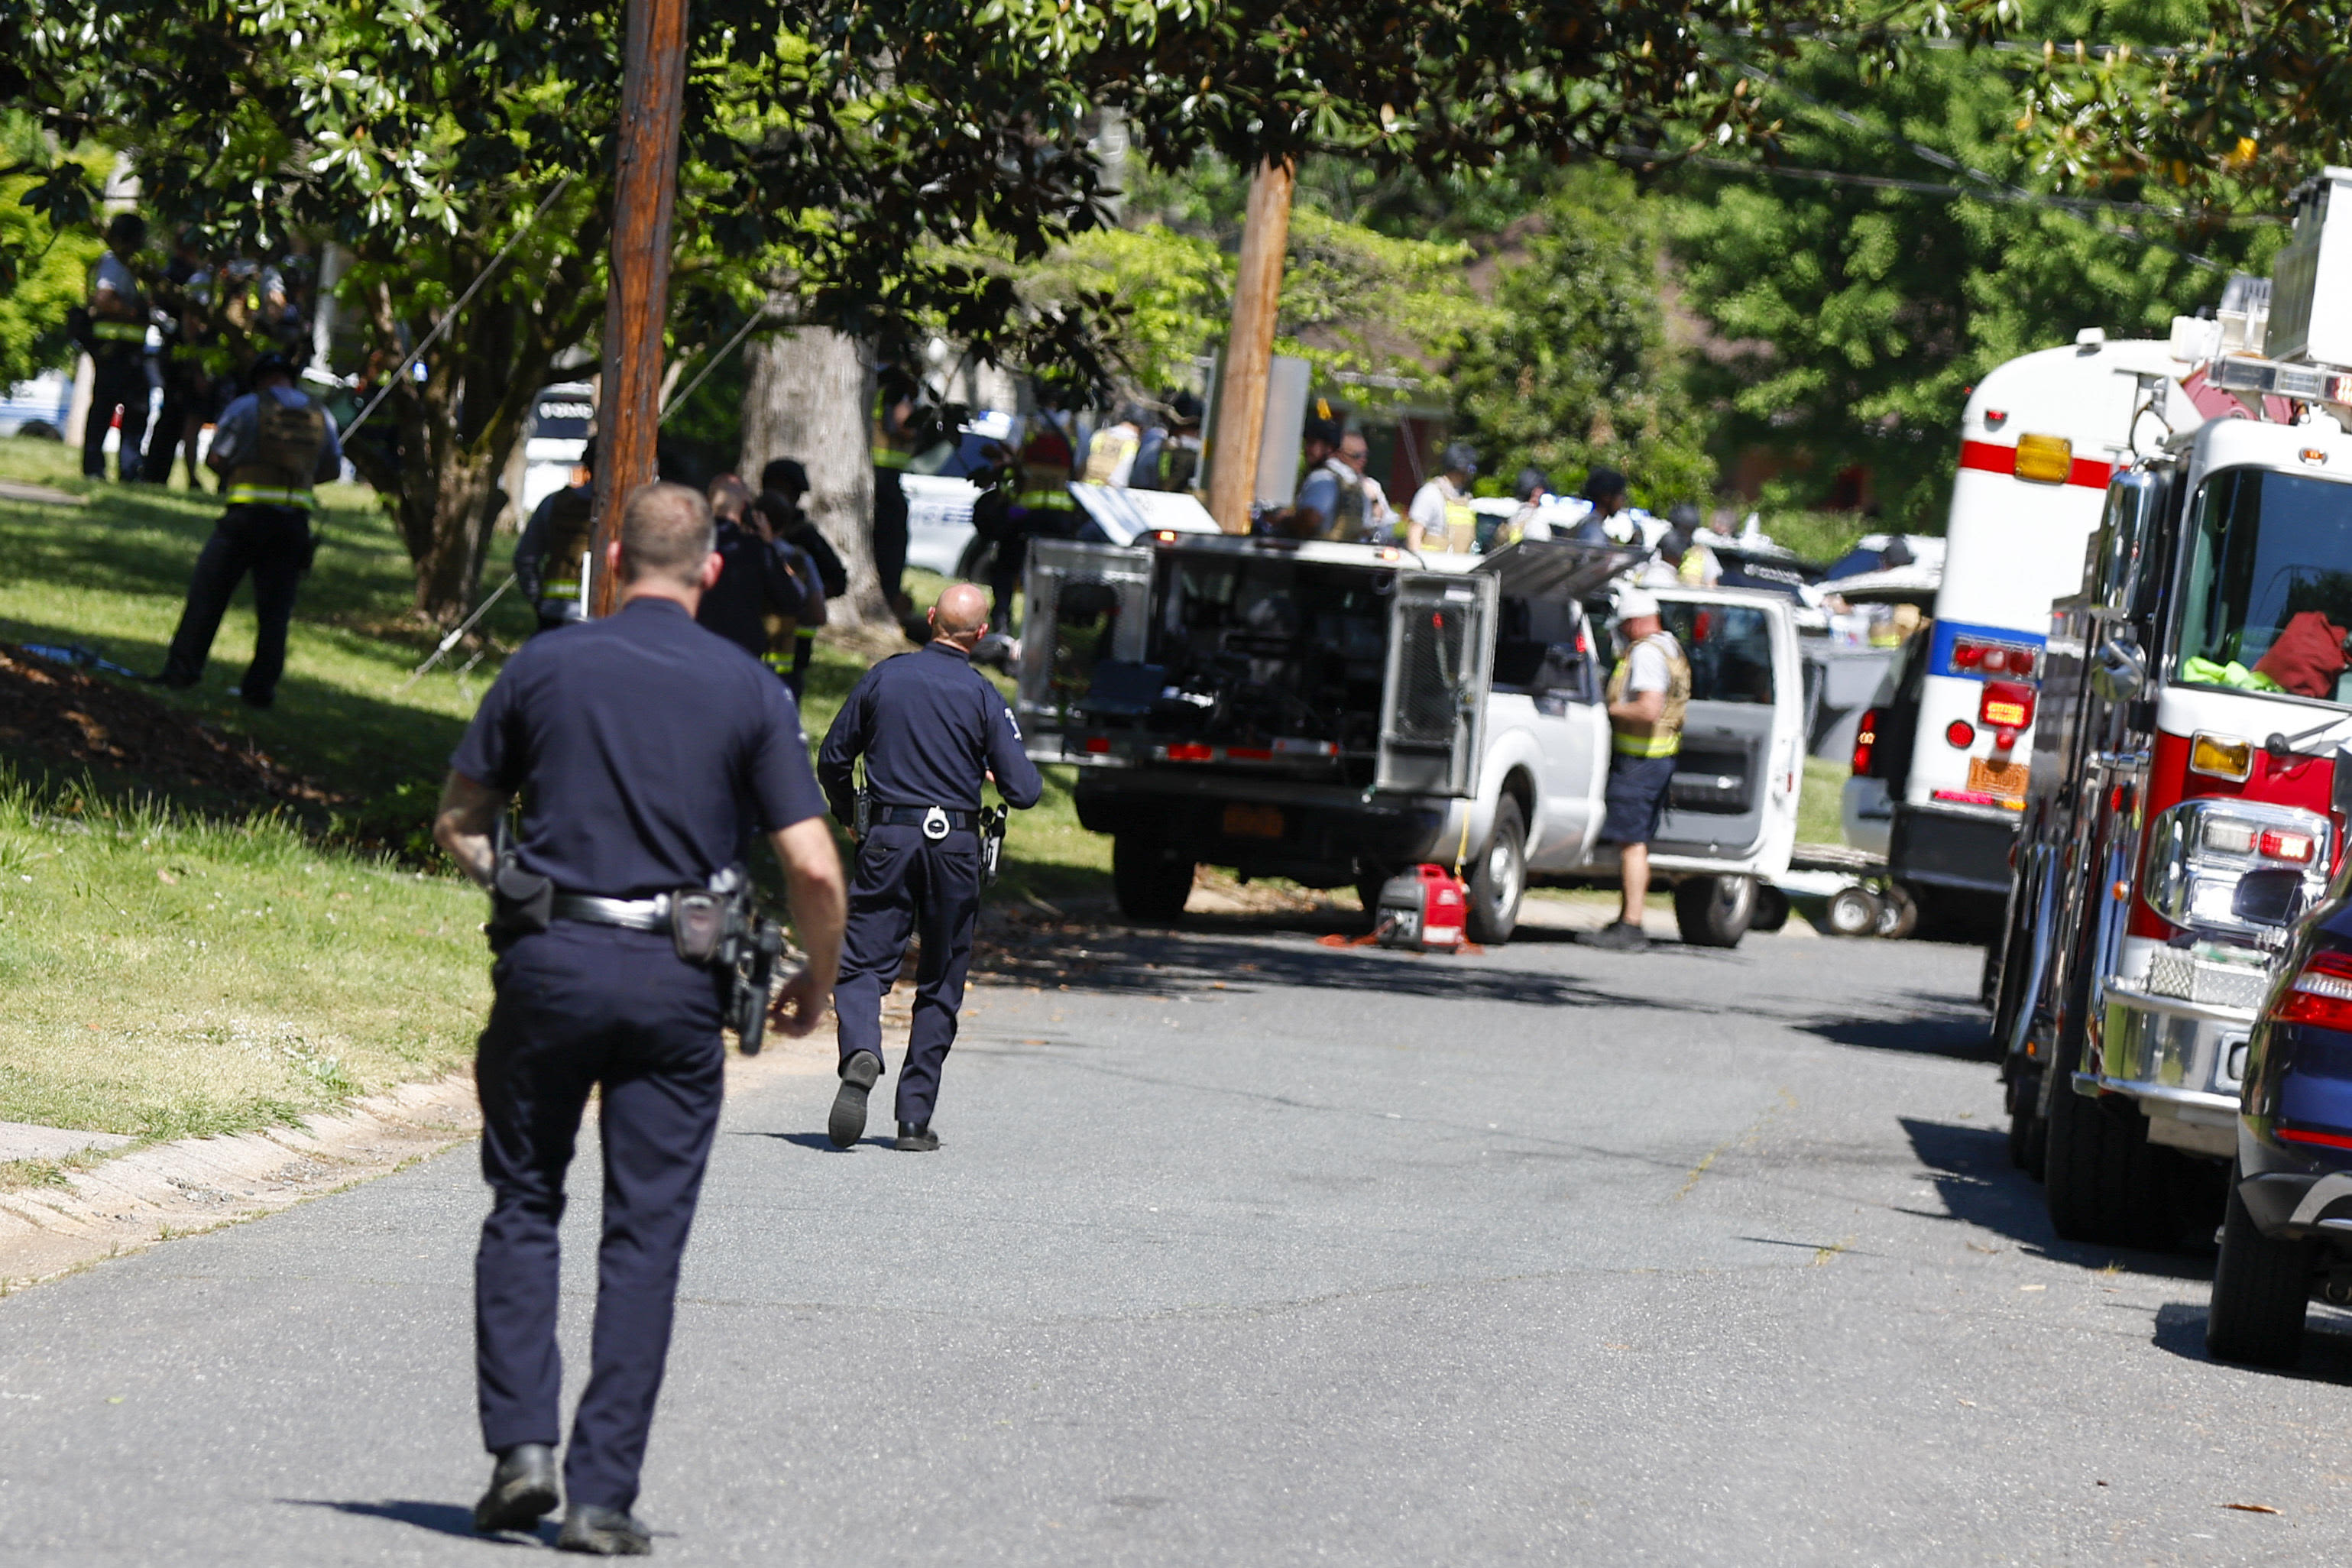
point(551, 559)
point(1441, 518)
point(118, 352)
point(270, 446)
point(894, 443)
point(1648, 695)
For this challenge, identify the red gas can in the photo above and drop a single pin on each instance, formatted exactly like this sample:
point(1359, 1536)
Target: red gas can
point(1422, 909)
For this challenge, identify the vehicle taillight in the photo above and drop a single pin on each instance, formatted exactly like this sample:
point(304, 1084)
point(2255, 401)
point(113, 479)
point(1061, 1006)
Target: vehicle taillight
point(2222, 757)
point(1993, 659)
point(2005, 705)
point(1097, 745)
point(2296, 847)
point(1188, 752)
point(1865, 740)
point(2321, 996)
point(1960, 734)
point(2046, 460)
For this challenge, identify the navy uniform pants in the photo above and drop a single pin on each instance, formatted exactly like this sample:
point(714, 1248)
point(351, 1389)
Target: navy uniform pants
point(117, 380)
point(581, 1007)
point(273, 543)
point(889, 533)
point(904, 885)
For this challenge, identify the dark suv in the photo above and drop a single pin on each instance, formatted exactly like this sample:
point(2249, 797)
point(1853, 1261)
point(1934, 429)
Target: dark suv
point(2287, 1233)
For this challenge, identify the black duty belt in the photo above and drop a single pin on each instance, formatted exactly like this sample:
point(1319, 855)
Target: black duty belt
point(636, 914)
point(935, 821)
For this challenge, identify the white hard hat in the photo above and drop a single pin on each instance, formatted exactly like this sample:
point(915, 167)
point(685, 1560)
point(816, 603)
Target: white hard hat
point(1633, 604)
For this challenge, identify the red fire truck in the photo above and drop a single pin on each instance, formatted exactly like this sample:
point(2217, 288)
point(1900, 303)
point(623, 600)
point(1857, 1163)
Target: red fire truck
point(2192, 762)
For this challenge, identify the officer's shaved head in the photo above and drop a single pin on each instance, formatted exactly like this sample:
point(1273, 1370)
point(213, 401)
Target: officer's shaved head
point(665, 533)
point(962, 612)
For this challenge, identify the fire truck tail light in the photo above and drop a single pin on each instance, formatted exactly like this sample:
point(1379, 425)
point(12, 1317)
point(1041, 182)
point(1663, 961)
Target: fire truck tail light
point(2006, 705)
point(1994, 658)
point(1960, 734)
point(2046, 460)
point(2222, 757)
point(2296, 847)
point(1865, 742)
point(2321, 996)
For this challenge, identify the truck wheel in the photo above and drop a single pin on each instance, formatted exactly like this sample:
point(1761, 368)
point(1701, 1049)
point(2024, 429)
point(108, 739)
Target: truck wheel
point(2260, 1286)
point(1854, 911)
point(2028, 1134)
point(1771, 909)
point(2105, 1182)
point(1499, 879)
point(1149, 879)
point(1715, 911)
point(1898, 914)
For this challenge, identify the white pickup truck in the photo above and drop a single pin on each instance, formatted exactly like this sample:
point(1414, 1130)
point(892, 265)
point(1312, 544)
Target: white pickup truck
point(1332, 713)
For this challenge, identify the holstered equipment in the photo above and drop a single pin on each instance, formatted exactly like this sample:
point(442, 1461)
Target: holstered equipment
point(521, 903)
point(716, 927)
point(992, 842)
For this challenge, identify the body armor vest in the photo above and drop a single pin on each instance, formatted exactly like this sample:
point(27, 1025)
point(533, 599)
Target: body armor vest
point(570, 531)
point(288, 439)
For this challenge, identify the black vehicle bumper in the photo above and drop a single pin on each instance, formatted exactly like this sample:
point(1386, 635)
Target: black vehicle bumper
point(2294, 1193)
point(1325, 835)
point(1948, 849)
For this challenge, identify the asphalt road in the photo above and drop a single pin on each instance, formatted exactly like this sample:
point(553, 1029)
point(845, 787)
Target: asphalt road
point(1244, 1250)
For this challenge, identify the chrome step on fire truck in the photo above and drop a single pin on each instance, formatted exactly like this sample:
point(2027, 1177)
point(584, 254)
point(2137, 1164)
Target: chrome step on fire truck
point(2193, 765)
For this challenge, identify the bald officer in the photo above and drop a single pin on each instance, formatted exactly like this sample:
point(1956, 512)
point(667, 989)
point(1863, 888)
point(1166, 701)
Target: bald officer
point(933, 731)
point(644, 748)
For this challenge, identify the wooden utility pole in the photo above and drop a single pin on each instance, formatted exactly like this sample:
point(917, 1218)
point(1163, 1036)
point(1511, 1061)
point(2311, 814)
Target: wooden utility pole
point(628, 408)
point(1249, 350)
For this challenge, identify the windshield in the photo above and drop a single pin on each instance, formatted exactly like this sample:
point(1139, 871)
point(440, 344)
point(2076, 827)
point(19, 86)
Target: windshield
point(2269, 592)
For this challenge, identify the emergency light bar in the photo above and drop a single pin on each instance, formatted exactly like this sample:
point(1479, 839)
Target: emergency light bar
point(2269, 378)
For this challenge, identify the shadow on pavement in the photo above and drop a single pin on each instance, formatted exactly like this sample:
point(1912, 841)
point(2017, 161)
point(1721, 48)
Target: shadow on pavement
point(1940, 1028)
point(441, 1518)
point(2326, 1344)
point(1970, 1169)
point(1200, 957)
point(818, 1141)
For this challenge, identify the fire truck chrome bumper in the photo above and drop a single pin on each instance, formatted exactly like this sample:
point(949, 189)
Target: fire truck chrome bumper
point(2180, 1060)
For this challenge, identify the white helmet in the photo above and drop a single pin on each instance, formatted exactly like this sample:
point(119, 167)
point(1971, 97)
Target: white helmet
point(1633, 604)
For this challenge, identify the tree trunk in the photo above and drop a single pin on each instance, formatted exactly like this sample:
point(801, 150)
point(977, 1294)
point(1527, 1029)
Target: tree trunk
point(806, 399)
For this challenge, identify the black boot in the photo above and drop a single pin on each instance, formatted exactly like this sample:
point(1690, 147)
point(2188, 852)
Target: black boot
point(848, 1123)
point(914, 1139)
point(522, 1489)
point(602, 1533)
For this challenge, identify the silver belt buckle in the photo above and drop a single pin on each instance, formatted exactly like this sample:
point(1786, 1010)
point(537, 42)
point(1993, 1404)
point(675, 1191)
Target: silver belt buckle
point(935, 825)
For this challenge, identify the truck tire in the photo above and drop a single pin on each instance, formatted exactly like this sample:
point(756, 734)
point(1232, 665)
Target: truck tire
point(1499, 879)
point(1715, 911)
point(2260, 1288)
point(1149, 879)
point(1854, 911)
point(1771, 909)
point(2028, 1134)
point(1898, 913)
point(2105, 1181)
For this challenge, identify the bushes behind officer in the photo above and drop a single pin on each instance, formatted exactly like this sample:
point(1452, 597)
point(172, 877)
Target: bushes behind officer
point(644, 748)
point(271, 445)
point(932, 730)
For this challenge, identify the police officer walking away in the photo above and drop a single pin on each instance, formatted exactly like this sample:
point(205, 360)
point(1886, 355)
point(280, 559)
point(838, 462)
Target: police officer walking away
point(932, 730)
point(643, 747)
point(271, 445)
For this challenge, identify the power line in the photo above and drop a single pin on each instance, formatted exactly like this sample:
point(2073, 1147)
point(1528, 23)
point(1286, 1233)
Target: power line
point(452, 313)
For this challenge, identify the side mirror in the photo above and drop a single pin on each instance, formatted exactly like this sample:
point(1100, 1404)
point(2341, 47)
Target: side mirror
point(2118, 670)
point(2125, 530)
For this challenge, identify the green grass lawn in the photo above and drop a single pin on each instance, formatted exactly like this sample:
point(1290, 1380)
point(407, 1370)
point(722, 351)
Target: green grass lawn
point(1820, 802)
point(182, 963)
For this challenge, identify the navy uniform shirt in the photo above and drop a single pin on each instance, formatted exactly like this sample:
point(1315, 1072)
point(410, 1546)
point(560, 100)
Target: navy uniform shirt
point(643, 747)
point(929, 726)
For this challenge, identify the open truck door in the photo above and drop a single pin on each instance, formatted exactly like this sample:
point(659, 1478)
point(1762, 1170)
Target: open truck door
point(1441, 656)
point(1088, 606)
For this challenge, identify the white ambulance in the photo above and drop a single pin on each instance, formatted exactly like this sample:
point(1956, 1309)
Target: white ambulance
point(1943, 754)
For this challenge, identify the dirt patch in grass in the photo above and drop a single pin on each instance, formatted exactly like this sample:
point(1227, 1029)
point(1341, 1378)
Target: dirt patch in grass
point(78, 719)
